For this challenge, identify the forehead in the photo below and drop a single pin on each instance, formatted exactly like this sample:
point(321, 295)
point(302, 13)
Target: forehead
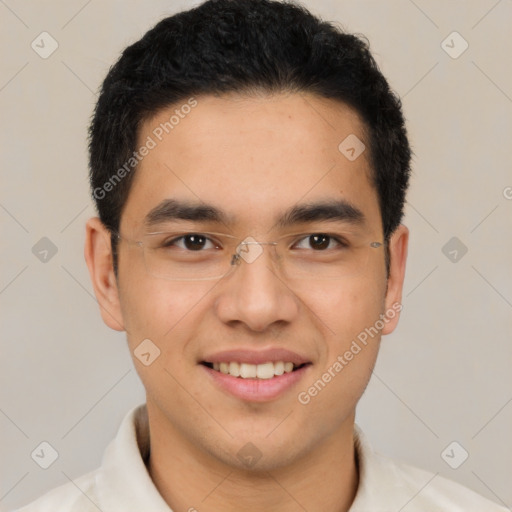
point(252, 157)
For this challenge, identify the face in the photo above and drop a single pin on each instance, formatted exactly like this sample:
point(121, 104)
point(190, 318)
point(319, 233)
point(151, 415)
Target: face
point(267, 167)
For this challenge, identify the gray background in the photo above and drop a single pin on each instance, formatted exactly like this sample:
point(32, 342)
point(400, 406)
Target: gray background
point(443, 376)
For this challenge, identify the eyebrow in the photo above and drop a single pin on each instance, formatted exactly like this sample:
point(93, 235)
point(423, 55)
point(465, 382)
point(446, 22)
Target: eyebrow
point(172, 209)
point(335, 210)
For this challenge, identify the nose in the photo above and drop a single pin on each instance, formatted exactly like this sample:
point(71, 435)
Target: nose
point(255, 294)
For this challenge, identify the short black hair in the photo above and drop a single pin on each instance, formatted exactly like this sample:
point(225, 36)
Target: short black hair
point(224, 46)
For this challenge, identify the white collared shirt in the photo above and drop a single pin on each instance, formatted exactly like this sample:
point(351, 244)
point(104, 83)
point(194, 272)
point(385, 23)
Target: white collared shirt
point(123, 484)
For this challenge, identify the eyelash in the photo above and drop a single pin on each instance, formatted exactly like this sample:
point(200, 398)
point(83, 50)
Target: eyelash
point(336, 238)
point(341, 242)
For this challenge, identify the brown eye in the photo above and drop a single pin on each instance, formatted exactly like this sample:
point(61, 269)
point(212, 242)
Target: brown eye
point(194, 242)
point(319, 241)
point(189, 242)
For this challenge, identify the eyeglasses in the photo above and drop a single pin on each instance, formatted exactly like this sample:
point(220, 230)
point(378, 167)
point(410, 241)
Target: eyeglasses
point(191, 256)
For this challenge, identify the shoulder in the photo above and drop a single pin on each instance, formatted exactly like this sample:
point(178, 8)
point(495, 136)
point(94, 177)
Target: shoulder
point(120, 483)
point(387, 485)
point(431, 491)
point(76, 496)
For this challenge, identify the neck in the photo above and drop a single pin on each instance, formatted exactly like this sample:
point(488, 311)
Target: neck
point(190, 480)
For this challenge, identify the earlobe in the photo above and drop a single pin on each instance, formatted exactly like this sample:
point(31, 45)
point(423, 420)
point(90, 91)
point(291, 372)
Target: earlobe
point(98, 256)
point(398, 244)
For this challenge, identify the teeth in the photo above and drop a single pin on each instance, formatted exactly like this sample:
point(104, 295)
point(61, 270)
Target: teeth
point(234, 369)
point(253, 371)
point(265, 371)
point(248, 371)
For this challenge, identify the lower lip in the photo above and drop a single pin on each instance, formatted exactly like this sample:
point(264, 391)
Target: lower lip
point(256, 390)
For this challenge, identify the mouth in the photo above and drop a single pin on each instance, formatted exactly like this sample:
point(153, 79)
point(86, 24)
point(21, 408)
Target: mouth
point(255, 376)
point(264, 371)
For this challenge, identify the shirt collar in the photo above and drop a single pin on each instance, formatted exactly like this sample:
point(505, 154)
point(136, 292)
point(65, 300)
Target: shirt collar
point(380, 489)
point(124, 482)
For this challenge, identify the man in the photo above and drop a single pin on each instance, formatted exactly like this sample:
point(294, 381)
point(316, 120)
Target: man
point(249, 164)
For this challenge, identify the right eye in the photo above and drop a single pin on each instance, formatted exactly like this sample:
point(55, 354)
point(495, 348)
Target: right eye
point(190, 242)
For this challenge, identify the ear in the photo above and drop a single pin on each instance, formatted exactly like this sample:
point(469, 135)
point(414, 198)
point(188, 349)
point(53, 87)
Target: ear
point(98, 255)
point(398, 255)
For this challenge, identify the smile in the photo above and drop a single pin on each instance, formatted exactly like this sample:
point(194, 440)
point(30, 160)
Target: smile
point(255, 375)
point(264, 371)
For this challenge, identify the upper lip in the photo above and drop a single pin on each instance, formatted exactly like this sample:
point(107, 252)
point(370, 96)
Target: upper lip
point(256, 356)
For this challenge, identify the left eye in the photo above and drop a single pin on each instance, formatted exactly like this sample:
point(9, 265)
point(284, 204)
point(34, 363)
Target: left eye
point(318, 242)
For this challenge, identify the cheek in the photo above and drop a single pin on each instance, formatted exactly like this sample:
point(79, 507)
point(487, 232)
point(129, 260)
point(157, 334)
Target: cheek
point(347, 308)
point(349, 315)
point(160, 310)
point(168, 314)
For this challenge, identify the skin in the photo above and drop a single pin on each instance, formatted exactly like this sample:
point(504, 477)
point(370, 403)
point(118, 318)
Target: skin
point(252, 157)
